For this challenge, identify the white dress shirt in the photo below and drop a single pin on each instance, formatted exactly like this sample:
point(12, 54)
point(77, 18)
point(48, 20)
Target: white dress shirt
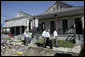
point(43, 34)
point(55, 33)
point(47, 34)
point(25, 34)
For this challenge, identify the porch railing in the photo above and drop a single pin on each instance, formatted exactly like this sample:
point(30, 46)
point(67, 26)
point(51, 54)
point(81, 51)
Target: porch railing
point(71, 37)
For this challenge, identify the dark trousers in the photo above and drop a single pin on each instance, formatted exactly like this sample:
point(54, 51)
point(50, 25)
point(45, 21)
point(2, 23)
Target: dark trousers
point(29, 40)
point(56, 44)
point(25, 41)
point(48, 42)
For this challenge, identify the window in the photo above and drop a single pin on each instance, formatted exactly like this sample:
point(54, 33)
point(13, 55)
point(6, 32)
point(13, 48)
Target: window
point(54, 8)
point(59, 7)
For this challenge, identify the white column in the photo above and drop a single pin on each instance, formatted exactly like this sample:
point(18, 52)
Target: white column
point(4, 29)
point(36, 22)
point(8, 29)
point(82, 22)
point(27, 24)
point(31, 24)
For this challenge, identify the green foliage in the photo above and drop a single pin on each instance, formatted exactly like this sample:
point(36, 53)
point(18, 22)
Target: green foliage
point(61, 43)
point(40, 41)
point(6, 38)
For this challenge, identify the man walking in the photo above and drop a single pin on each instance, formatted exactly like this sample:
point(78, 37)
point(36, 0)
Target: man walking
point(47, 40)
point(44, 36)
point(55, 36)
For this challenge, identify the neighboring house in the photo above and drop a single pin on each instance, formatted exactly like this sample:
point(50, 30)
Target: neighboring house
point(18, 24)
point(59, 15)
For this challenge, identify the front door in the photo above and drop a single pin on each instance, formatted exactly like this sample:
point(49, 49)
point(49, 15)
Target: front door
point(65, 25)
point(78, 24)
point(23, 29)
point(12, 30)
point(17, 30)
point(52, 26)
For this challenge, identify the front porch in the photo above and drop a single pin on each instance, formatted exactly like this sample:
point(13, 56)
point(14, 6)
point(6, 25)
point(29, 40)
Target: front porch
point(64, 25)
point(17, 30)
point(14, 30)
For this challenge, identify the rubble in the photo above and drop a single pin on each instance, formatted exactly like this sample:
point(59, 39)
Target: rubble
point(11, 48)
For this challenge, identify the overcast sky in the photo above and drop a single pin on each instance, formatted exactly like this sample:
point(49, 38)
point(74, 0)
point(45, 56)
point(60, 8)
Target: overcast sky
point(10, 8)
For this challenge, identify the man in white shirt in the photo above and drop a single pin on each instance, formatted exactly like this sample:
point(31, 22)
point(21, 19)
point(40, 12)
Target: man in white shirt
point(46, 36)
point(55, 36)
point(43, 34)
point(26, 37)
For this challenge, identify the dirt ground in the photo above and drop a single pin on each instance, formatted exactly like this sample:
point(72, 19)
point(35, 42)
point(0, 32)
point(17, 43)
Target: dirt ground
point(28, 51)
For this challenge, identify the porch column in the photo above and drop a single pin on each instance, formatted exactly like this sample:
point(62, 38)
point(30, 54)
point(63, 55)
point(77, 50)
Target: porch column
point(31, 24)
point(56, 27)
point(20, 29)
point(82, 18)
point(4, 29)
point(36, 22)
point(27, 24)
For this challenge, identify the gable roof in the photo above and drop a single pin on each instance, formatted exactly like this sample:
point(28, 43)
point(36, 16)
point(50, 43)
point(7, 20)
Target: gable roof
point(19, 15)
point(60, 2)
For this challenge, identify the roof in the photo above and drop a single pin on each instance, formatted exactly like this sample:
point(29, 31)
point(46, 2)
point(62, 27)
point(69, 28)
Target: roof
point(60, 3)
point(62, 12)
point(19, 15)
point(21, 22)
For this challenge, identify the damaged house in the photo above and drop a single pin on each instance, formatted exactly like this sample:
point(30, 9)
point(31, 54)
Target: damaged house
point(18, 24)
point(67, 19)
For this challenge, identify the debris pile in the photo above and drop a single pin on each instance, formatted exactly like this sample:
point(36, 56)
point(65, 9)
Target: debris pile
point(16, 48)
point(10, 48)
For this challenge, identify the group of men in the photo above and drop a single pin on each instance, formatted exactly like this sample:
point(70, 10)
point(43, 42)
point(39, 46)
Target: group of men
point(47, 39)
point(45, 35)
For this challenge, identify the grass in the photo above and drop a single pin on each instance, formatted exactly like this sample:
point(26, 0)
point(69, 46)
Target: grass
point(6, 39)
point(61, 43)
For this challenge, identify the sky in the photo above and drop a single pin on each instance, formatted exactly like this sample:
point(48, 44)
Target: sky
point(10, 8)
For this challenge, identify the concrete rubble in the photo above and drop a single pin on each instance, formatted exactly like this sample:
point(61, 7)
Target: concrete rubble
point(75, 50)
point(8, 49)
